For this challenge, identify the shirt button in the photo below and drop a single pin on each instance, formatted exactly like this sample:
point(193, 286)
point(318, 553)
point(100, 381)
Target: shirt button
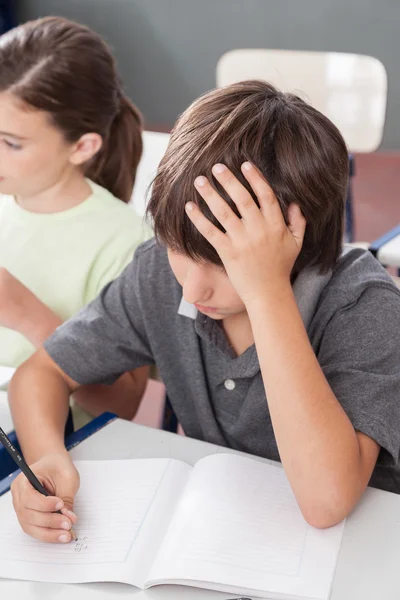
point(229, 384)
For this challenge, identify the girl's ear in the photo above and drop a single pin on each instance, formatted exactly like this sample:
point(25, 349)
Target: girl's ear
point(85, 148)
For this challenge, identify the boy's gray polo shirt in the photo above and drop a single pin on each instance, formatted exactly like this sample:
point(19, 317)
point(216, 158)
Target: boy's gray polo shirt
point(352, 317)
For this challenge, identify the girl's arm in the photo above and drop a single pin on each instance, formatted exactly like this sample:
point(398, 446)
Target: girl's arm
point(22, 311)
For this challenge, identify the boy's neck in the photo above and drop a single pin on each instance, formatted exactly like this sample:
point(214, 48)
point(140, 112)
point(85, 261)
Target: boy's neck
point(69, 191)
point(237, 329)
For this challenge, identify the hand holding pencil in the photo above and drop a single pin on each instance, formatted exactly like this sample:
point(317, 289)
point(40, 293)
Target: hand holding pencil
point(50, 517)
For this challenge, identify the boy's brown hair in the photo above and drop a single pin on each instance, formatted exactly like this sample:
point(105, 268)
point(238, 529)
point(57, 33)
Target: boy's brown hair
point(297, 149)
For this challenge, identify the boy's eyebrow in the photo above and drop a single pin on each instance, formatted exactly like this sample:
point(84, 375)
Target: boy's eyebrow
point(13, 135)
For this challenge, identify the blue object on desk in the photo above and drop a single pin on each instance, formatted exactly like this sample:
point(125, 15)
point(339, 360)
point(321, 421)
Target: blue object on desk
point(7, 465)
point(73, 439)
point(169, 419)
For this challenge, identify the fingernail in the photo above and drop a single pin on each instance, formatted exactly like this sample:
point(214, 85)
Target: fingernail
point(59, 505)
point(247, 166)
point(218, 168)
point(64, 538)
point(66, 525)
point(200, 181)
point(69, 513)
point(189, 206)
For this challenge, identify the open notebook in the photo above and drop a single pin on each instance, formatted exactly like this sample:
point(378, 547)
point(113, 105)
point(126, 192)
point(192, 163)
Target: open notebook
point(230, 523)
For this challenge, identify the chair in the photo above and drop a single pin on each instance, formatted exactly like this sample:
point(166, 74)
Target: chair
point(397, 281)
point(154, 147)
point(350, 89)
point(387, 248)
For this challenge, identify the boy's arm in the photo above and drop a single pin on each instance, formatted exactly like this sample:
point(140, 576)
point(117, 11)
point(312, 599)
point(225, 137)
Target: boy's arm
point(106, 339)
point(122, 398)
point(39, 399)
point(327, 463)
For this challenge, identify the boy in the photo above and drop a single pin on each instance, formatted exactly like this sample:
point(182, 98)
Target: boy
point(269, 339)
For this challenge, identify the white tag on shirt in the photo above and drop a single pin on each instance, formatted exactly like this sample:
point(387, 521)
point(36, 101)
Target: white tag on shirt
point(187, 310)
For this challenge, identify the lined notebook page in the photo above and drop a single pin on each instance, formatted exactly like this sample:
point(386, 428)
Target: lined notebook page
point(124, 509)
point(238, 525)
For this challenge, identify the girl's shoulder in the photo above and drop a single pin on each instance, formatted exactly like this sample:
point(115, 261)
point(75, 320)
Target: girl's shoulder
point(108, 210)
point(105, 199)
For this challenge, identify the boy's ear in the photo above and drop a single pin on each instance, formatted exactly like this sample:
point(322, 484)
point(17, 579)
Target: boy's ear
point(85, 148)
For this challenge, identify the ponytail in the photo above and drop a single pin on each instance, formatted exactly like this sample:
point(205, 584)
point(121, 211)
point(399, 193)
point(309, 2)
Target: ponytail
point(114, 166)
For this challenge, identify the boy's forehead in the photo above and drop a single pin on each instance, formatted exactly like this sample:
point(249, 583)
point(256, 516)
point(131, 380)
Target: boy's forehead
point(181, 254)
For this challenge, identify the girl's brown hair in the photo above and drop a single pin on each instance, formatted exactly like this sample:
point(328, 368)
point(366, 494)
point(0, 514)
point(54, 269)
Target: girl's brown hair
point(67, 70)
point(299, 151)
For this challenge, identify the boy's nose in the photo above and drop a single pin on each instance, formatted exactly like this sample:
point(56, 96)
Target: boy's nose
point(196, 287)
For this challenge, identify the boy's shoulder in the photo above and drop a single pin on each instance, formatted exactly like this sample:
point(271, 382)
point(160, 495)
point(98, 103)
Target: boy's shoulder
point(152, 266)
point(153, 281)
point(356, 273)
point(152, 255)
point(151, 247)
point(356, 270)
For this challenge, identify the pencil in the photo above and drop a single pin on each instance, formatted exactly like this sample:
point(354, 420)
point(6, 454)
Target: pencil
point(29, 474)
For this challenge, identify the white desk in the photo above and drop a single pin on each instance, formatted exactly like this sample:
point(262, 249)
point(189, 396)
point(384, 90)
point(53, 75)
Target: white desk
point(368, 563)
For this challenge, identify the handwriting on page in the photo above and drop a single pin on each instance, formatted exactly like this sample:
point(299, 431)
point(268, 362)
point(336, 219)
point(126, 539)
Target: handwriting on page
point(81, 545)
point(110, 517)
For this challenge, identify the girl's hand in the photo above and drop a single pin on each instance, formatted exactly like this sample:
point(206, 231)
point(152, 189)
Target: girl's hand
point(258, 250)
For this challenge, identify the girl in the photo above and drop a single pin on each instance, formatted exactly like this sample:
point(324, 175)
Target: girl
point(70, 143)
